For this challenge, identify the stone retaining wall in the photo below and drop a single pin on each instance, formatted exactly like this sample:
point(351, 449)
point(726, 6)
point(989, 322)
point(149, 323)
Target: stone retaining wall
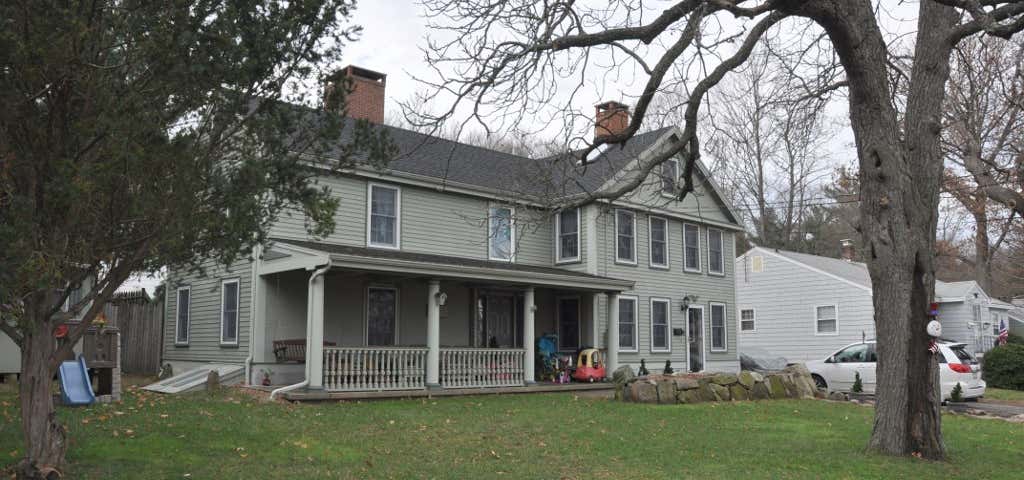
point(793, 382)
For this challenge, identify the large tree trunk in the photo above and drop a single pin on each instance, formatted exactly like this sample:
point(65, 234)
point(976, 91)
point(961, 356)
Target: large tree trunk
point(982, 248)
point(899, 180)
point(45, 437)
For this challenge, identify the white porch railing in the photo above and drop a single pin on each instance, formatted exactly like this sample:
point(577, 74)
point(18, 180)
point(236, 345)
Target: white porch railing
point(481, 367)
point(374, 368)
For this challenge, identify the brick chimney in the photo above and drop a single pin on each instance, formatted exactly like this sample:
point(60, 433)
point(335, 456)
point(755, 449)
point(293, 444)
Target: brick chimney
point(610, 118)
point(365, 99)
point(848, 249)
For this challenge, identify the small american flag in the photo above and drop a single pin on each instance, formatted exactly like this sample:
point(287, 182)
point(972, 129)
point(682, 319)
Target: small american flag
point(933, 347)
point(1004, 332)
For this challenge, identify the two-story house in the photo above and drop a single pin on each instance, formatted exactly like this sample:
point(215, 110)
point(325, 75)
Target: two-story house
point(442, 273)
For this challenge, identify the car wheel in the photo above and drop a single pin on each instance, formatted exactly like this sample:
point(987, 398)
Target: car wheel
point(820, 382)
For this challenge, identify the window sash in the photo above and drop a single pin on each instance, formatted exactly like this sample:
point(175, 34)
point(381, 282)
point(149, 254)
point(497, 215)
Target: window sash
point(691, 247)
point(660, 325)
point(381, 316)
point(669, 177)
point(719, 340)
point(625, 236)
point(384, 216)
point(183, 315)
point(826, 316)
point(229, 300)
point(659, 241)
point(568, 244)
point(716, 257)
point(747, 320)
point(627, 324)
point(501, 233)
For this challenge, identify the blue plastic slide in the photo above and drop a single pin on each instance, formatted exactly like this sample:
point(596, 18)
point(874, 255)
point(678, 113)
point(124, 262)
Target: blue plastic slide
point(75, 388)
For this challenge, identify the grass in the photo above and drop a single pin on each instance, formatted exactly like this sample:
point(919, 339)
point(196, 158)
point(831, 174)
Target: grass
point(1015, 396)
point(230, 435)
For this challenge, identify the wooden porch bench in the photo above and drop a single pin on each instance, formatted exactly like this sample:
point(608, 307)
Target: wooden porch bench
point(293, 350)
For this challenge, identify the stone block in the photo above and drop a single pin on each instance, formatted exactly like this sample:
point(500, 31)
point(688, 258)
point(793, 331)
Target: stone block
point(721, 392)
point(666, 391)
point(738, 392)
point(725, 379)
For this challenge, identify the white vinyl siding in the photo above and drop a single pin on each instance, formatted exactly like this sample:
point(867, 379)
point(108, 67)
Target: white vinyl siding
point(719, 340)
point(628, 324)
point(384, 212)
point(826, 320)
point(691, 247)
point(229, 298)
point(658, 231)
point(567, 236)
point(661, 325)
point(183, 316)
point(625, 237)
point(716, 252)
point(747, 320)
point(501, 238)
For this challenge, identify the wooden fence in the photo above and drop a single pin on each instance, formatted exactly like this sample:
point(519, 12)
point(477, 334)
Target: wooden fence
point(141, 323)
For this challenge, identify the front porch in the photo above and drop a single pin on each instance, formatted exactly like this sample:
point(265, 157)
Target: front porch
point(435, 332)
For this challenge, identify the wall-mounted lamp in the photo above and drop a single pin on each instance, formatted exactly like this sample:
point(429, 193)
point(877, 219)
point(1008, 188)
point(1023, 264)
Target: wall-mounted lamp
point(442, 298)
point(687, 300)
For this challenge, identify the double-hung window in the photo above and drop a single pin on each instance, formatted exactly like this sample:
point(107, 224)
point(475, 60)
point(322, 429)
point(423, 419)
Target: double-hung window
point(716, 252)
point(567, 235)
point(691, 247)
point(229, 295)
point(659, 241)
point(660, 325)
point(627, 324)
point(384, 216)
point(381, 316)
point(669, 177)
point(826, 320)
point(183, 316)
point(747, 320)
point(625, 237)
point(718, 333)
point(501, 234)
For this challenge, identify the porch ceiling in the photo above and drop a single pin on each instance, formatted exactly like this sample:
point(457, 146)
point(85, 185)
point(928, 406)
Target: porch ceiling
point(442, 266)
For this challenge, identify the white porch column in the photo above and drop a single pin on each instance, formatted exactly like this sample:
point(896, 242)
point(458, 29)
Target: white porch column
point(433, 334)
point(315, 354)
point(529, 342)
point(612, 360)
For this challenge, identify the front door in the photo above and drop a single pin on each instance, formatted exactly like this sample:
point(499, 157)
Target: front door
point(695, 338)
point(568, 324)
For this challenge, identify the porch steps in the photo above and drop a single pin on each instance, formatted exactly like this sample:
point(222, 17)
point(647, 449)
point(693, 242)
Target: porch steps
point(306, 395)
point(195, 379)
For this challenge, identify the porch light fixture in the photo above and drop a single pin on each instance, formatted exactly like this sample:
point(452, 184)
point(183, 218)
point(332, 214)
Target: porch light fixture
point(686, 302)
point(442, 298)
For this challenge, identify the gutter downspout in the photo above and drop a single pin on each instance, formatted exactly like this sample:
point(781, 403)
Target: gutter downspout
point(309, 326)
point(257, 254)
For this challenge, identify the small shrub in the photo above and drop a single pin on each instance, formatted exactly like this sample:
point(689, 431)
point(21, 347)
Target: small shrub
point(858, 386)
point(1003, 367)
point(1015, 339)
point(957, 395)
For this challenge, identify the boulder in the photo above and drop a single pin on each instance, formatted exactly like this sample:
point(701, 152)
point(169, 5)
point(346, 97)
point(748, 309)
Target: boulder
point(724, 379)
point(721, 392)
point(666, 391)
point(212, 381)
point(644, 392)
point(760, 391)
point(837, 396)
point(738, 392)
point(803, 380)
point(623, 375)
point(746, 379)
point(757, 377)
point(790, 384)
point(706, 393)
point(775, 386)
point(692, 396)
point(686, 383)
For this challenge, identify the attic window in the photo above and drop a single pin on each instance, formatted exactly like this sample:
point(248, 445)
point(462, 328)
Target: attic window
point(669, 177)
point(757, 264)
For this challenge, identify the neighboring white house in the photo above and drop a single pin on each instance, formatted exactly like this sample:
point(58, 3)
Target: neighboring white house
point(805, 307)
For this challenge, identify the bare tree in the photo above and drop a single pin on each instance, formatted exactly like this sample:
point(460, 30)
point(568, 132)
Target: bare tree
point(502, 59)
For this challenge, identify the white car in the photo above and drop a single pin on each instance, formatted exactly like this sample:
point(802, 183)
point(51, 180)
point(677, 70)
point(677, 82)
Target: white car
point(836, 373)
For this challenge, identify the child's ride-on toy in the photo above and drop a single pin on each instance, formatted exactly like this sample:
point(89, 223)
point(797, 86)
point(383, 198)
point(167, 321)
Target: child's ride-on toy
point(589, 366)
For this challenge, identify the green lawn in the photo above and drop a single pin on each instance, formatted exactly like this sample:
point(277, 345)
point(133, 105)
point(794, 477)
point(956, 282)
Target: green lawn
point(1015, 396)
point(230, 435)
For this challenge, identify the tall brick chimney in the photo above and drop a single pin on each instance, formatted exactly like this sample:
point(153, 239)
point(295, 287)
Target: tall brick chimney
point(365, 99)
point(610, 118)
point(848, 249)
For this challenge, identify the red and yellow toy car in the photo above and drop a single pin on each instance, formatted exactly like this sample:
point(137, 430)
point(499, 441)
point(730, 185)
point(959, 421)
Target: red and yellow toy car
point(589, 366)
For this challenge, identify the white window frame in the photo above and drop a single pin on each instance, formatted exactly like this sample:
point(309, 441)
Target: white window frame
point(366, 313)
point(668, 324)
point(650, 243)
point(814, 317)
point(675, 181)
point(753, 319)
point(711, 271)
point(369, 216)
point(636, 323)
point(687, 268)
point(559, 259)
point(579, 321)
point(512, 232)
point(238, 308)
point(177, 316)
point(725, 326)
point(619, 259)
point(703, 337)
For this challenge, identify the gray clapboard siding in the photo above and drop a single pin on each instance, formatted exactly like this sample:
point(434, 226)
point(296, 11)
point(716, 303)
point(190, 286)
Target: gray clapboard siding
point(204, 335)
